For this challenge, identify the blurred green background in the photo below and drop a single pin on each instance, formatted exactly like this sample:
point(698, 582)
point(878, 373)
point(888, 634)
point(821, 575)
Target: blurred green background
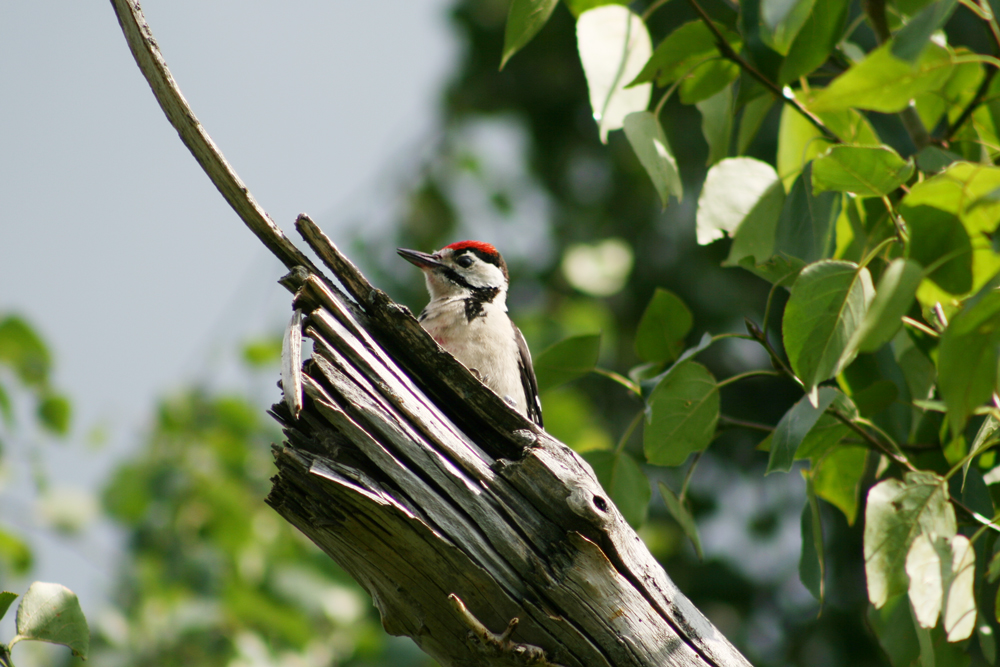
point(208, 575)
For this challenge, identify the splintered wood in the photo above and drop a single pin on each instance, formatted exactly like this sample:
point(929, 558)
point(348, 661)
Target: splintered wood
point(475, 532)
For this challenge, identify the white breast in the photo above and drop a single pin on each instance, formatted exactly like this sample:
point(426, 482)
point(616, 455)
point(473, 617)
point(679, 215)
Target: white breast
point(486, 344)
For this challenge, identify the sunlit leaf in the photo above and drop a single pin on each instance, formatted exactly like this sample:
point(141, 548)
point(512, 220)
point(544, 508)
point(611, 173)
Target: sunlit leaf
point(524, 19)
point(51, 613)
point(828, 302)
point(732, 189)
point(614, 45)
point(866, 171)
point(682, 516)
point(896, 512)
point(883, 82)
point(567, 360)
point(653, 150)
point(959, 615)
point(681, 414)
point(664, 324)
point(923, 567)
point(624, 481)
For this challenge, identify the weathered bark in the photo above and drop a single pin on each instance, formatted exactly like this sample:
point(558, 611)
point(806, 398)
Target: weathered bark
point(476, 533)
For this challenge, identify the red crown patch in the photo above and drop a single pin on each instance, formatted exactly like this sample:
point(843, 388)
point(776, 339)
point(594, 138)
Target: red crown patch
point(482, 247)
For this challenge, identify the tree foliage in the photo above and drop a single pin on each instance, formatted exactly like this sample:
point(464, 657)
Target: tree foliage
point(882, 235)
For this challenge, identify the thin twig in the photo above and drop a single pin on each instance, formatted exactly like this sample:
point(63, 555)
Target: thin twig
point(730, 422)
point(150, 61)
point(872, 440)
point(728, 52)
point(687, 477)
point(629, 431)
point(748, 374)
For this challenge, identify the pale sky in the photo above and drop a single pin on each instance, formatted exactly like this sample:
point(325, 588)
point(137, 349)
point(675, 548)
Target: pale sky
point(116, 246)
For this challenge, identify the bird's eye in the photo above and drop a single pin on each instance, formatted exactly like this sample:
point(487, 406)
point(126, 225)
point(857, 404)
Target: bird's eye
point(464, 261)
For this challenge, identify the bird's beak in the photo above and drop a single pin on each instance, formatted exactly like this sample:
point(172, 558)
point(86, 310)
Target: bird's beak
point(420, 259)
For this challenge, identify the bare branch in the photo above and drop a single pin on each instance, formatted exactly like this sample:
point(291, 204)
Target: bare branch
point(147, 55)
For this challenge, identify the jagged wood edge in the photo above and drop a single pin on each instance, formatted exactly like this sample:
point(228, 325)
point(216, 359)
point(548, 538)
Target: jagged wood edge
point(547, 473)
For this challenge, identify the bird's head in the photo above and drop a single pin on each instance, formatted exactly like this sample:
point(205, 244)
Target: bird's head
point(462, 268)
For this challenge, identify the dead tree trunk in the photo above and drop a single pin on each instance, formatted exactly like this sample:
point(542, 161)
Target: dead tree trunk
point(476, 533)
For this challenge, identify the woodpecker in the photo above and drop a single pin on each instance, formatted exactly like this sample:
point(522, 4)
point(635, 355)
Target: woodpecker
point(467, 315)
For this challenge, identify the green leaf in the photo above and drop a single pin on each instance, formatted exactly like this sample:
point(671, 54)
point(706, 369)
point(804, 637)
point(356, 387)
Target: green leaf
point(717, 123)
point(23, 350)
point(793, 428)
point(754, 113)
point(754, 237)
point(932, 158)
point(262, 352)
point(897, 511)
point(683, 51)
point(807, 224)
point(909, 42)
point(866, 171)
point(812, 561)
point(837, 476)
point(653, 150)
point(959, 614)
point(15, 553)
point(967, 358)
point(524, 20)
point(664, 324)
point(781, 21)
point(827, 304)
point(6, 598)
point(613, 44)
point(682, 517)
point(936, 235)
point(894, 627)
point(893, 298)
point(732, 189)
point(818, 37)
point(54, 413)
point(51, 613)
point(707, 80)
point(882, 82)
point(985, 438)
point(6, 407)
point(681, 414)
point(624, 481)
point(577, 7)
point(567, 360)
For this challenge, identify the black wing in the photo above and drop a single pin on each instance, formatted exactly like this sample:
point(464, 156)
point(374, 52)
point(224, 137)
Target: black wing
point(528, 381)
